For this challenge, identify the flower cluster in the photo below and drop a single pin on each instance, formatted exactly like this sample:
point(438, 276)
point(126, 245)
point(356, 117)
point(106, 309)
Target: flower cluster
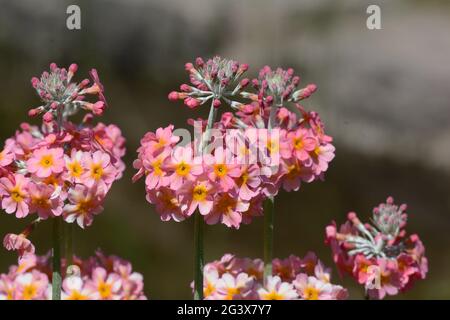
point(232, 278)
point(380, 256)
point(65, 174)
point(62, 97)
point(216, 79)
point(227, 170)
point(59, 168)
point(98, 278)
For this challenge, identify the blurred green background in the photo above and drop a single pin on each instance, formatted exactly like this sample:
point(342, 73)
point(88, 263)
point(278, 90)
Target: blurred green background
point(384, 96)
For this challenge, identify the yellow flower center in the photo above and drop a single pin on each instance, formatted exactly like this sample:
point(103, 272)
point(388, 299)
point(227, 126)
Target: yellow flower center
point(293, 171)
point(183, 169)
point(76, 295)
point(40, 202)
point(311, 293)
point(199, 193)
point(96, 171)
point(84, 206)
point(298, 143)
point(17, 195)
point(209, 290)
point(1, 155)
point(220, 170)
point(273, 295)
point(316, 152)
point(226, 204)
point(29, 291)
point(157, 167)
point(273, 146)
point(231, 292)
point(75, 169)
point(169, 201)
point(244, 177)
point(104, 289)
point(46, 161)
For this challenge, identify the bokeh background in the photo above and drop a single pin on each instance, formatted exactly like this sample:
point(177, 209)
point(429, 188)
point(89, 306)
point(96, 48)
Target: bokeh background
point(384, 96)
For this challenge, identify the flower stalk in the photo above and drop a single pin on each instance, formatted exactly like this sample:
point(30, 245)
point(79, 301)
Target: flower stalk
point(198, 220)
point(269, 206)
point(56, 257)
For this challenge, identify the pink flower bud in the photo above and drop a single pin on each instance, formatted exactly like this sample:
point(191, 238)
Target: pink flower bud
point(73, 68)
point(191, 102)
point(199, 62)
point(34, 112)
point(244, 82)
point(216, 103)
point(243, 67)
point(84, 83)
point(54, 105)
point(188, 66)
point(311, 88)
point(88, 118)
point(98, 108)
point(53, 66)
point(48, 117)
point(35, 82)
point(173, 96)
point(186, 88)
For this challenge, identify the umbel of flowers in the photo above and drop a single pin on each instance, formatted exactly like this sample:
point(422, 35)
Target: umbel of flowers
point(60, 170)
point(381, 256)
point(239, 162)
point(233, 278)
point(99, 277)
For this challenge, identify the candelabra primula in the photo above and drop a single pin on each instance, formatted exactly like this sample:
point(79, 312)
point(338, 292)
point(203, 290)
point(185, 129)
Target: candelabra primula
point(380, 256)
point(242, 160)
point(233, 278)
point(99, 277)
point(60, 169)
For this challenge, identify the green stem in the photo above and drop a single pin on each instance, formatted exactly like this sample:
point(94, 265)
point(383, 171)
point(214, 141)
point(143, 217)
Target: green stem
point(56, 278)
point(199, 258)
point(269, 211)
point(199, 261)
point(69, 244)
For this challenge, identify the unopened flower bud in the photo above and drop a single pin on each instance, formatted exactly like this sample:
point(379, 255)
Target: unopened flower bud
point(216, 103)
point(173, 96)
point(191, 102)
point(48, 117)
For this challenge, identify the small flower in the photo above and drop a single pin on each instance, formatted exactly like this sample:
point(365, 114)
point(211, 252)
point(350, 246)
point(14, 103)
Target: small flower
point(44, 200)
point(185, 167)
point(104, 286)
point(6, 157)
point(211, 277)
point(98, 169)
point(221, 170)
point(321, 156)
point(167, 204)
point(14, 195)
point(45, 162)
point(74, 289)
point(198, 194)
point(74, 166)
point(275, 289)
point(20, 243)
point(311, 288)
point(302, 143)
point(228, 210)
point(234, 288)
point(85, 202)
point(31, 286)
